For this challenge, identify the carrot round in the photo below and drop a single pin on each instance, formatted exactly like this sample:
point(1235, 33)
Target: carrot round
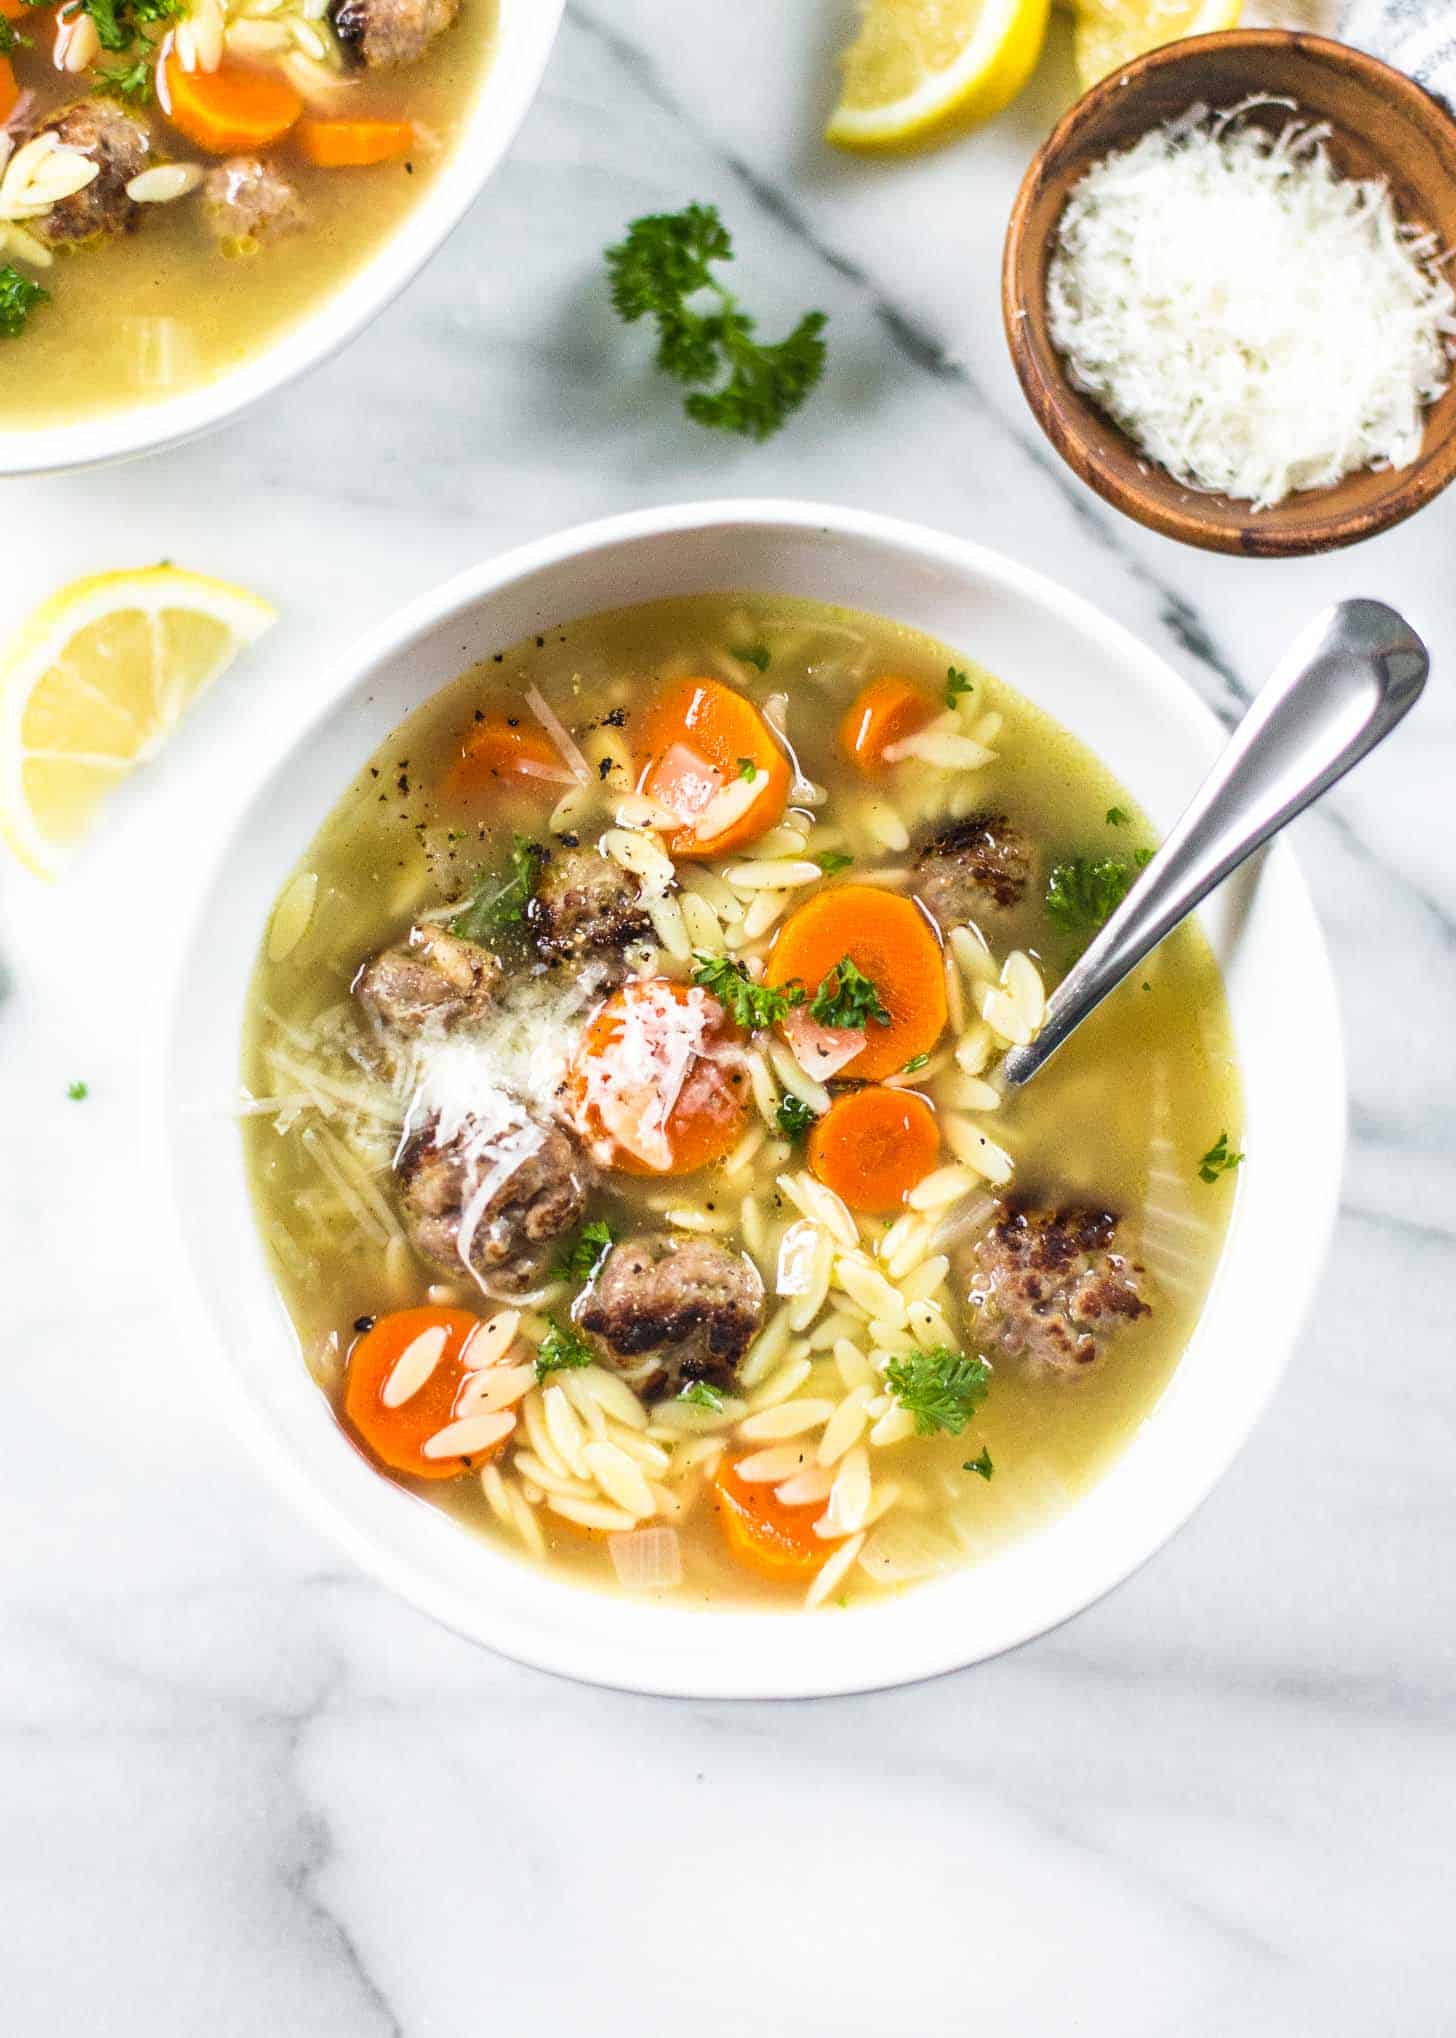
point(497, 750)
point(696, 743)
point(17, 10)
point(231, 109)
point(873, 1145)
point(890, 941)
point(764, 1535)
point(885, 712)
point(9, 90)
point(352, 144)
point(397, 1436)
point(615, 1083)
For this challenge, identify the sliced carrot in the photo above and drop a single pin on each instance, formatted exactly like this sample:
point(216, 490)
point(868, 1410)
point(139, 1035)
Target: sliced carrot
point(890, 941)
point(16, 10)
point(873, 1145)
point(230, 109)
point(637, 1041)
point(885, 712)
point(397, 1436)
point(764, 1535)
point(9, 90)
point(498, 751)
point(352, 144)
point(698, 741)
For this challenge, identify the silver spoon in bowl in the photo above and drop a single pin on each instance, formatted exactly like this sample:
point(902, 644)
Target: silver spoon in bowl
point(1340, 689)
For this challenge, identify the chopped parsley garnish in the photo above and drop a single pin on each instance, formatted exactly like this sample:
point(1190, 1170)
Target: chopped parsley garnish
point(701, 1395)
point(119, 23)
point(78, 1091)
point(129, 82)
point(665, 261)
point(916, 1063)
point(502, 903)
point(846, 997)
point(1086, 891)
point(585, 1253)
point(757, 655)
point(1118, 817)
point(1218, 1160)
point(12, 38)
point(18, 299)
point(832, 861)
point(747, 768)
point(562, 1346)
point(956, 684)
point(750, 1005)
point(982, 1466)
point(942, 1389)
point(794, 1115)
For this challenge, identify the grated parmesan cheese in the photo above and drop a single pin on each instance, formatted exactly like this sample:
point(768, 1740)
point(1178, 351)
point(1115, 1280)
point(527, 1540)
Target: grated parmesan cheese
point(1254, 321)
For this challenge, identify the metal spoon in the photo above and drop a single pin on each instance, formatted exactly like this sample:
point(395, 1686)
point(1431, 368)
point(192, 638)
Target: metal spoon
point(1340, 689)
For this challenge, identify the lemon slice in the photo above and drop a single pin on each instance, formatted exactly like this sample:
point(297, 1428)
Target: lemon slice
point(1110, 33)
point(920, 69)
point(92, 684)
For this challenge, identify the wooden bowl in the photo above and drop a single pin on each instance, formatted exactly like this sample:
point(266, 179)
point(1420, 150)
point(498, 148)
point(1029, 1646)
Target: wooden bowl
point(1383, 125)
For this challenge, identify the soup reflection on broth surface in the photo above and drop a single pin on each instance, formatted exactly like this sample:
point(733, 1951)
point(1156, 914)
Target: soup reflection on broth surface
point(622, 1116)
point(182, 180)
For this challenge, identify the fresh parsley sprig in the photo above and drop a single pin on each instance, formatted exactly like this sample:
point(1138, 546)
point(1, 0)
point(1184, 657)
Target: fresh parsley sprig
point(941, 1388)
point(957, 683)
point(700, 1394)
point(794, 1115)
point(502, 902)
point(18, 299)
point(1219, 1160)
point(1085, 891)
point(585, 1253)
point(665, 262)
point(748, 1003)
point(847, 997)
point(562, 1347)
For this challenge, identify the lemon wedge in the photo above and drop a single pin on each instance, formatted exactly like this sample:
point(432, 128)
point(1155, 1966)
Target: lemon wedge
point(1110, 33)
point(922, 69)
point(92, 684)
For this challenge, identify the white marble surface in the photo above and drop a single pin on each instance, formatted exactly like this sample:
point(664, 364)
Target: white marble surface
point(244, 1792)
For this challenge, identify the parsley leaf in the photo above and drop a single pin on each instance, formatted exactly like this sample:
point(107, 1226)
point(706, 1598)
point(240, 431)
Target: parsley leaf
point(794, 1115)
point(1087, 890)
point(131, 83)
point(666, 260)
point(562, 1346)
point(956, 684)
point(701, 1395)
point(119, 23)
point(1218, 1160)
point(846, 997)
point(754, 654)
point(12, 38)
point(18, 299)
point(497, 906)
point(981, 1465)
point(1118, 817)
point(832, 861)
point(78, 1091)
point(916, 1063)
point(585, 1253)
point(942, 1389)
point(750, 1005)
point(747, 769)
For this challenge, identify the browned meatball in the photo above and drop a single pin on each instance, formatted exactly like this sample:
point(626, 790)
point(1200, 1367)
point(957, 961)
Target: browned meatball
point(692, 1303)
point(246, 200)
point(121, 147)
point(435, 981)
point(586, 905)
point(1048, 1287)
point(492, 1197)
point(981, 862)
point(385, 34)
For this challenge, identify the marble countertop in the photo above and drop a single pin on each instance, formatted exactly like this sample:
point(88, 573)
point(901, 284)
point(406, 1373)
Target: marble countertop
point(243, 1791)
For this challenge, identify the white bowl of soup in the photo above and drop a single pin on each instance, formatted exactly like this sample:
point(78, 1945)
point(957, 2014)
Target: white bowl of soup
point(200, 199)
point(582, 1096)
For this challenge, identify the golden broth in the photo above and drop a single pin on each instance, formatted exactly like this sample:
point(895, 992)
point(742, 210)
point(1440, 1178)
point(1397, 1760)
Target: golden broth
point(148, 315)
point(1121, 1118)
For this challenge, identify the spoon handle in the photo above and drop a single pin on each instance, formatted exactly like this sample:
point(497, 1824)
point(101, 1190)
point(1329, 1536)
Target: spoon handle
point(1340, 689)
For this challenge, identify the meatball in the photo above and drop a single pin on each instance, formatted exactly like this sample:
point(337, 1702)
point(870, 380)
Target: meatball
point(384, 34)
point(435, 981)
point(693, 1304)
point(1048, 1286)
point(246, 200)
point(493, 1194)
point(121, 147)
point(585, 904)
point(981, 862)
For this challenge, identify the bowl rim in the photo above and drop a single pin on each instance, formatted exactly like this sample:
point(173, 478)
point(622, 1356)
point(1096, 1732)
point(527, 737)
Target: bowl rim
point(524, 34)
point(1059, 408)
point(561, 1637)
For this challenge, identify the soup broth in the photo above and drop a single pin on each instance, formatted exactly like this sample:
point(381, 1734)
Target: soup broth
point(173, 292)
point(847, 1399)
